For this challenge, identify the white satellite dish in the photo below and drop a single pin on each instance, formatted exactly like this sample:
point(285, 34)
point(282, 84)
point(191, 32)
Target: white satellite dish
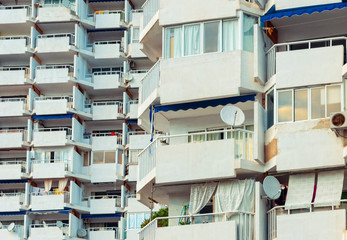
point(59, 224)
point(232, 116)
point(82, 233)
point(11, 227)
point(272, 187)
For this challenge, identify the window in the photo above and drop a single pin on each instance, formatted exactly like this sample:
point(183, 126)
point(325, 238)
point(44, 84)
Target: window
point(86, 158)
point(311, 103)
point(270, 103)
point(173, 41)
point(230, 35)
point(211, 37)
point(110, 157)
point(105, 157)
point(98, 157)
point(248, 32)
point(191, 39)
point(136, 219)
point(135, 35)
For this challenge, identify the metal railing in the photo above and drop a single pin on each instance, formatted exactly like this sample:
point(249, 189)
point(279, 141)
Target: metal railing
point(24, 100)
point(53, 193)
point(64, 228)
point(307, 44)
point(243, 146)
point(138, 71)
point(50, 161)
point(110, 134)
point(100, 12)
point(150, 8)
point(21, 162)
point(19, 130)
point(115, 229)
point(117, 198)
point(121, 47)
point(48, 98)
point(27, 38)
point(119, 73)
point(14, 7)
point(59, 3)
point(280, 210)
point(109, 103)
point(71, 36)
point(150, 81)
point(244, 231)
point(69, 67)
point(57, 129)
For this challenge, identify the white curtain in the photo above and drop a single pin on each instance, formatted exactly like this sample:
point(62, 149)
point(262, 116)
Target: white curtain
point(248, 32)
point(178, 42)
point(230, 35)
point(200, 194)
point(192, 39)
point(48, 185)
point(62, 184)
point(176, 35)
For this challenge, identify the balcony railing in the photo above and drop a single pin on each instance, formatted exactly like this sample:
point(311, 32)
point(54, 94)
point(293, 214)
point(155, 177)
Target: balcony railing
point(96, 229)
point(51, 193)
point(27, 39)
point(18, 130)
point(59, 3)
point(21, 162)
point(244, 231)
point(117, 198)
point(69, 67)
point(308, 44)
point(280, 210)
point(107, 73)
point(109, 103)
point(150, 81)
point(243, 146)
point(69, 99)
point(71, 36)
point(24, 100)
point(57, 129)
point(100, 12)
point(25, 69)
point(150, 8)
point(27, 7)
point(66, 162)
point(110, 134)
point(64, 228)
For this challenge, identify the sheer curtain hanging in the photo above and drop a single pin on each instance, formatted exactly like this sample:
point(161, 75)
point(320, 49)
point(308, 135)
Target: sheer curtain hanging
point(192, 39)
point(248, 32)
point(230, 35)
point(48, 185)
point(200, 194)
point(62, 184)
point(173, 42)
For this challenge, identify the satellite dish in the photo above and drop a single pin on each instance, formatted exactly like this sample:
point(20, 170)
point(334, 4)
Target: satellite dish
point(82, 233)
point(11, 227)
point(272, 187)
point(127, 77)
point(232, 116)
point(59, 224)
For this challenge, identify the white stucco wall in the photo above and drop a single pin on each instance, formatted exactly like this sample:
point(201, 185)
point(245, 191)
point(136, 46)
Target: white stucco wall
point(9, 109)
point(47, 202)
point(195, 161)
point(55, 44)
point(10, 172)
point(103, 51)
point(50, 107)
point(12, 77)
point(48, 170)
point(59, 75)
point(205, 76)
point(136, 81)
point(134, 50)
point(105, 112)
point(312, 226)
point(133, 110)
point(104, 143)
point(53, 14)
point(56, 138)
point(50, 233)
point(13, 15)
point(218, 230)
point(97, 235)
point(102, 206)
point(107, 20)
point(285, 4)
point(105, 172)
point(110, 81)
point(10, 204)
point(5, 234)
point(308, 67)
point(132, 173)
point(11, 140)
point(139, 141)
point(13, 46)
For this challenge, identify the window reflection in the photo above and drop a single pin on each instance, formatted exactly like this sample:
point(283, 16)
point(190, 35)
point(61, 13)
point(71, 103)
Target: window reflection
point(333, 99)
point(301, 105)
point(285, 106)
point(317, 103)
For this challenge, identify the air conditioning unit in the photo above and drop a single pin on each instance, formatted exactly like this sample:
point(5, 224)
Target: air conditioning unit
point(338, 120)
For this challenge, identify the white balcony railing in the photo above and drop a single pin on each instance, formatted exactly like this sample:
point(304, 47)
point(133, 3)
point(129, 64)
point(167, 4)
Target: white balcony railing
point(244, 230)
point(59, 3)
point(97, 229)
point(150, 8)
point(110, 134)
point(71, 37)
point(107, 73)
point(117, 198)
point(150, 81)
point(27, 39)
point(52, 193)
point(108, 103)
point(243, 146)
point(20, 162)
point(14, 69)
point(66, 162)
point(69, 67)
point(19, 130)
point(14, 7)
point(24, 100)
point(57, 129)
point(307, 44)
point(108, 43)
point(280, 210)
point(64, 228)
point(100, 12)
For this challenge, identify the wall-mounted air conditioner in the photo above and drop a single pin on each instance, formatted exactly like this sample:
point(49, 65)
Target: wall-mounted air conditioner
point(338, 120)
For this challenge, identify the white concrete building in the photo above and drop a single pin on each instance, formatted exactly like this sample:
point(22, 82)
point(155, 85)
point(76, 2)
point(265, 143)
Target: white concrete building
point(110, 111)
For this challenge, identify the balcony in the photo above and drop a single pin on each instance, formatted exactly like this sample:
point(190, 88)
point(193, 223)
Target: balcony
point(13, 138)
point(287, 62)
point(138, 140)
point(170, 159)
point(15, 14)
point(136, 77)
point(283, 4)
point(202, 226)
point(107, 110)
point(97, 233)
point(57, 11)
point(17, 234)
point(48, 231)
point(49, 200)
point(13, 107)
point(107, 204)
point(108, 50)
point(54, 74)
point(52, 168)
point(132, 109)
point(107, 80)
point(58, 136)
point(109, 19)
point(11, 202)
point(12, 169)
point(55, 43)
point(51, 105)
point(150, 84)
point(15, 45)
point(14, 75)
point(106, 141)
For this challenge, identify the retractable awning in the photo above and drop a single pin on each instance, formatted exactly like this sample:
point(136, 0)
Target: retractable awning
point(48, 117)
point(13, 181)
point(44, 212)
point(12, 213)
point(301, 11)
point(88, 216)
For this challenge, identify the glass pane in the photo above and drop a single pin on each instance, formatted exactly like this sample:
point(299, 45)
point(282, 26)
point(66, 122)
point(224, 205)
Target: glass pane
point(333, 99)
point(317, 103)
point(285, 106)
point(211, 37)
point(131, 221)
point(192, 39)
point(110, 157)
point(230, 35)
point(248, 32)
point(139, 219)
point(301, 105)
point(197, 138)
point(270, 108)
point(173, 42)
point(136, 35)
point(98, 157)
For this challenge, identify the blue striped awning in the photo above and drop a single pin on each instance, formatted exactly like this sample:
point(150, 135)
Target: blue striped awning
point(14, 181)
point(12, 213)
point(48, 117)
point(301, 11)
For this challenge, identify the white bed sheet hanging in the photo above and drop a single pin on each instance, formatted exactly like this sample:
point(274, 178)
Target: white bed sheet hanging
point(200, 194)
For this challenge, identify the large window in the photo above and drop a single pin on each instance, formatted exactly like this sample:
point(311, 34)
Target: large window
point(192, 40)
point(173, 42)
point(248, 32)
point(136, 219)
point(308, 103)
point(101, 157)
